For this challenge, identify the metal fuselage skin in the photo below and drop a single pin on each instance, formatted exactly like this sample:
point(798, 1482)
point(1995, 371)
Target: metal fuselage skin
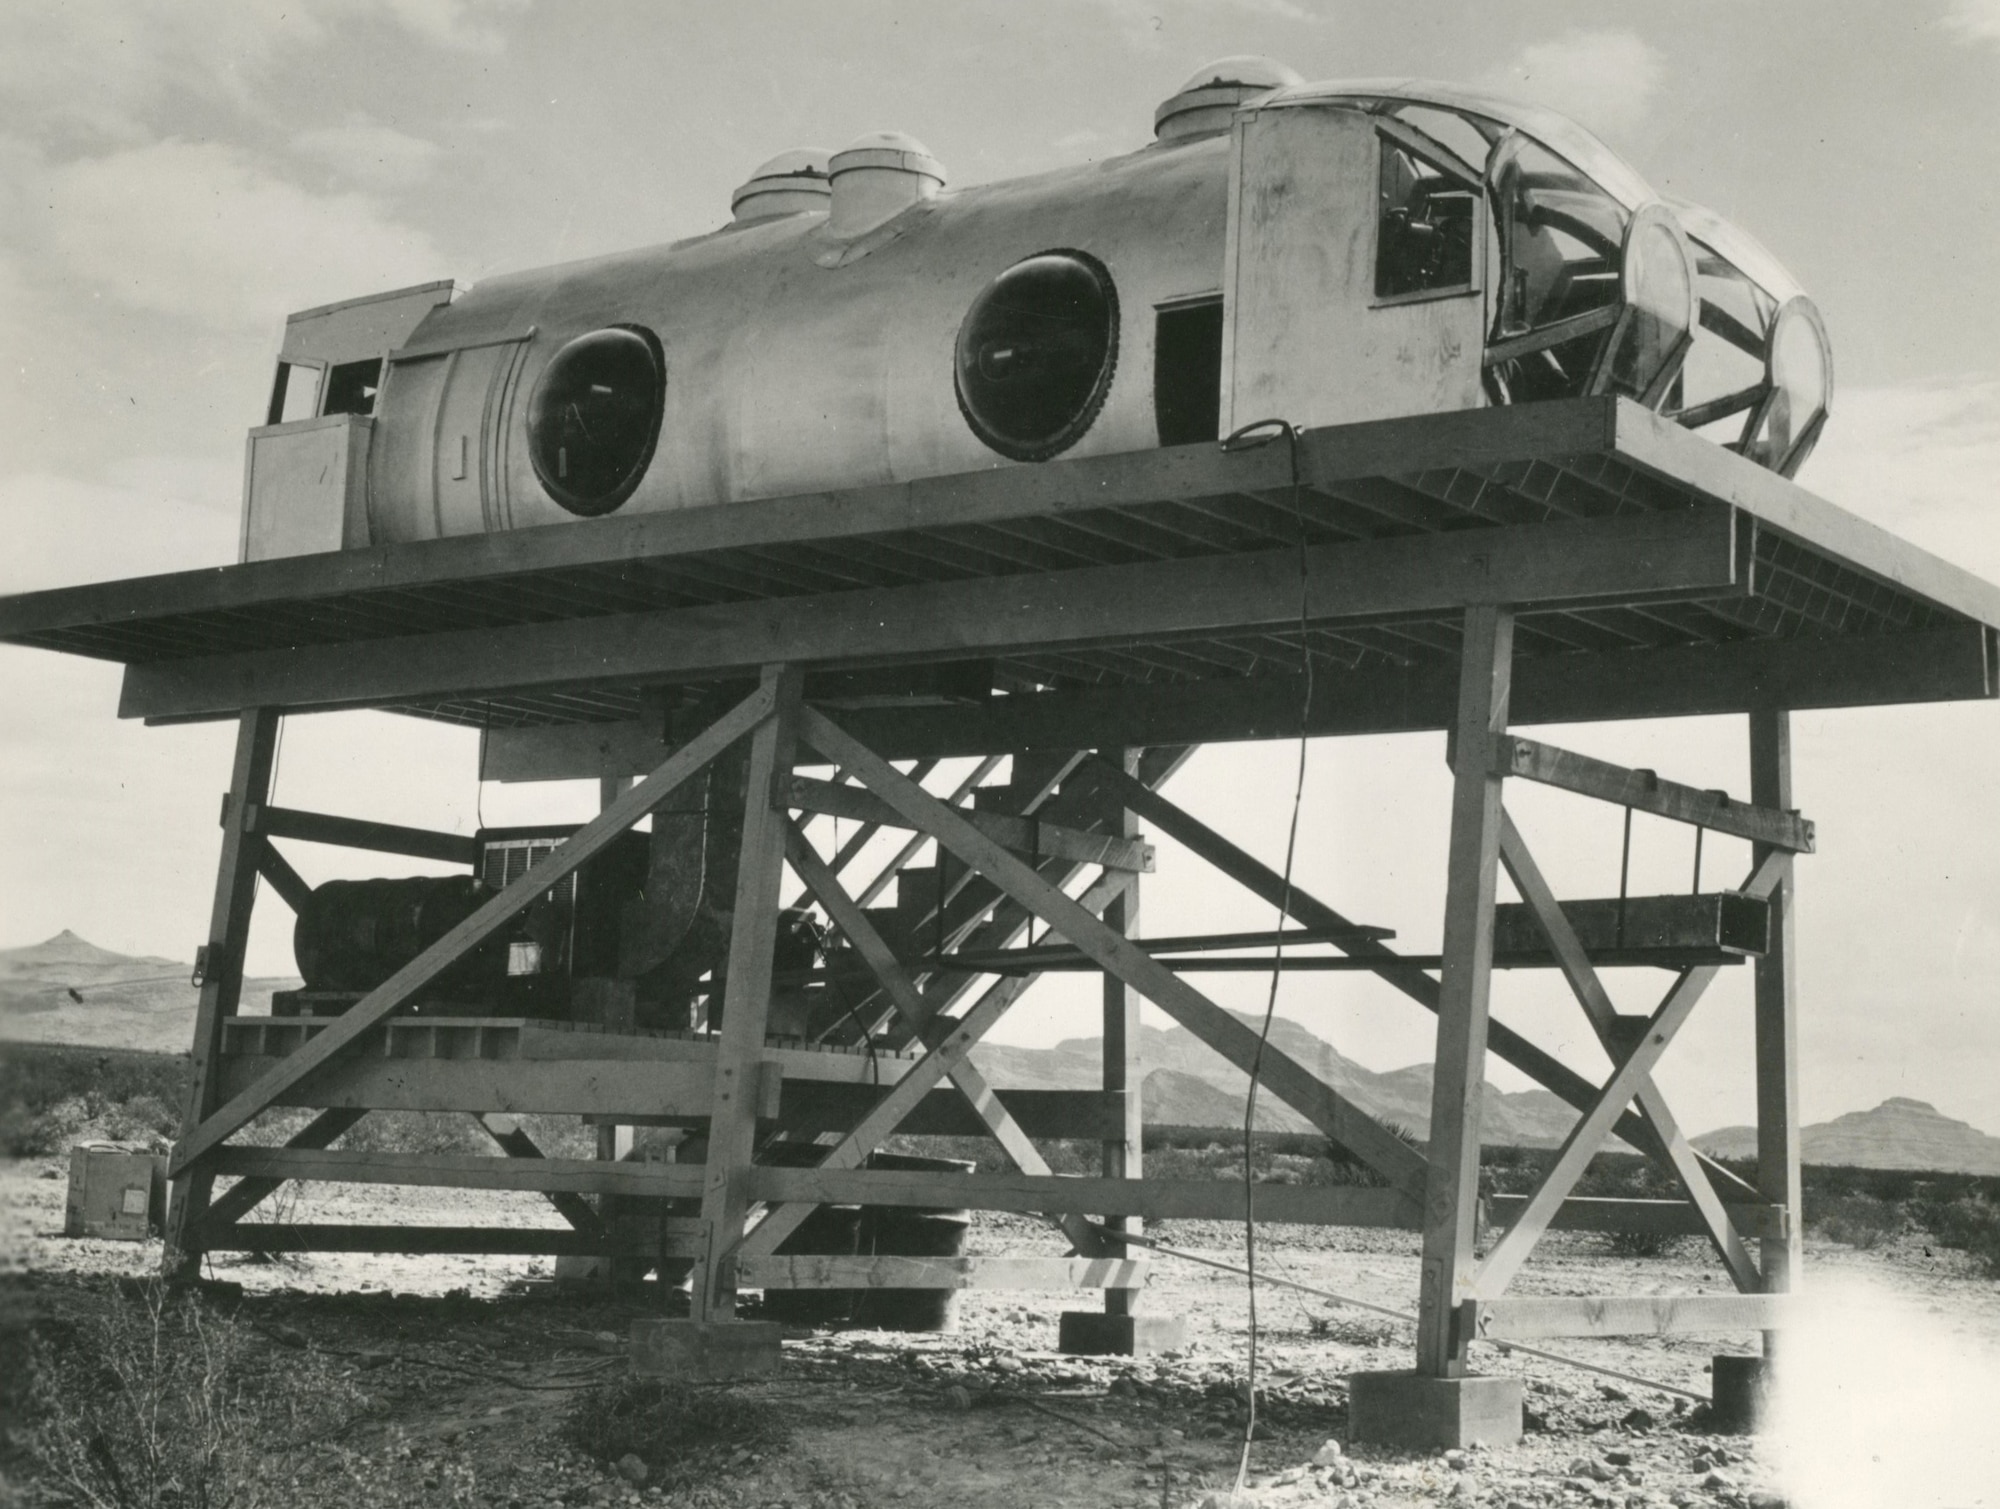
point(796, 362)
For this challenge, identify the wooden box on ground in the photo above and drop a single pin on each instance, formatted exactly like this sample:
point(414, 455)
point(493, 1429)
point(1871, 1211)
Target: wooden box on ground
point(116, 1190)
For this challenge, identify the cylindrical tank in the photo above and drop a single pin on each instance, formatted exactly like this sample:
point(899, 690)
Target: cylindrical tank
point(791, 358)
point(354, 934)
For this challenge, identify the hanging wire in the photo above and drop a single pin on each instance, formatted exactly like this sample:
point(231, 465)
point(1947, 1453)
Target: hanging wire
point(1167, 1249)
point(1250, 436)
point(1624, 874)
point(479, 775)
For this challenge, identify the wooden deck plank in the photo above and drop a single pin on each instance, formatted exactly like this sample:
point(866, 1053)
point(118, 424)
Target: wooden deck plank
point(1633, 557)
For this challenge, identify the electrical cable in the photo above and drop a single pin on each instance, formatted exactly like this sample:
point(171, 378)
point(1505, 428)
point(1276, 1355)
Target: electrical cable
point(1262, 433)
point(479, 776)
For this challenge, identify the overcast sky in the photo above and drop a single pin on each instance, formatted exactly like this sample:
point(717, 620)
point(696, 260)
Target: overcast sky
point(175, 178)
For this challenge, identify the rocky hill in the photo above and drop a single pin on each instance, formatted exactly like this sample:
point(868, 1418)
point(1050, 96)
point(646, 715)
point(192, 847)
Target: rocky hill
point(1899, 1133)
point(68, 990)
point(1186, 1084)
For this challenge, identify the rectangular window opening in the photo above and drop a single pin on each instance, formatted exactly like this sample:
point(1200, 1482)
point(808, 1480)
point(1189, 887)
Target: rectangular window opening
point(1187, 372)
point(350, 387)
point(1424, 240)
point(294, 393)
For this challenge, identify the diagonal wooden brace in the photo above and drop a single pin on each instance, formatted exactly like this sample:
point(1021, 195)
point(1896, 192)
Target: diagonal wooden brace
point(1588, 1135)
point(1597, 1006)
point(508, 1135)
point(280, 876)
point(1289, 1080)
point(246, 1194)
point(588, 840)
point(923, 1077)
point(1418, 984)
point(915, 1011)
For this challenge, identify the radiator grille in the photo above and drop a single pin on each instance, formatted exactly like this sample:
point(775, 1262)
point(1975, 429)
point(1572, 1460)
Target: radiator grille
point(505, 860)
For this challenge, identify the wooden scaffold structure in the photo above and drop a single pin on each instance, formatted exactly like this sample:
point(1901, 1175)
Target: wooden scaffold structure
point(1467, 572)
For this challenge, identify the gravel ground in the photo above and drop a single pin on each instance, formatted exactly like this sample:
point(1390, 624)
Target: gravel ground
point(458, 1372)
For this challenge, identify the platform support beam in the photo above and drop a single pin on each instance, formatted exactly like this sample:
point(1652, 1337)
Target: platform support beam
point(746, 1000)
point(1122, 1073)
point(1778, 1177)
point(221, 972)
point(1451, 1202)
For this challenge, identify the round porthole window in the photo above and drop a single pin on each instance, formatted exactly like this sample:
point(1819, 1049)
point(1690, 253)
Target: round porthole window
point(1036, 353)
point(594, 417)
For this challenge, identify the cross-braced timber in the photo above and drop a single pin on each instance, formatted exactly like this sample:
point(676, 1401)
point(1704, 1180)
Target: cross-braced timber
point(1095, 620)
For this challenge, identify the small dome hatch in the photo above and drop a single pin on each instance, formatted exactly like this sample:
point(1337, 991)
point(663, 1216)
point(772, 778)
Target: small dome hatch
point(1203, 105)
point(877, 177)
point(789, 184)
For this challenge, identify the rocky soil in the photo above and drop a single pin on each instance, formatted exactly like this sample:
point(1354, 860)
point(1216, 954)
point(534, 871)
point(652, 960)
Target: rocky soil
point(453, 1378)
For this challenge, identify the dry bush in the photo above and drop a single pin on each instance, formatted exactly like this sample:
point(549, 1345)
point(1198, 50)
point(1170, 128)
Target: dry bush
point(1971, 1223)
point(1645, 1244)
point(154, 1400)
point(1856, 1220)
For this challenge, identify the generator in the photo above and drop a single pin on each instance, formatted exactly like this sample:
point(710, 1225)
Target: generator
point(637, 937)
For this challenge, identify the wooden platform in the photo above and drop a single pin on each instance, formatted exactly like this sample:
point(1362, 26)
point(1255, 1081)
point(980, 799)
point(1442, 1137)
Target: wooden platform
point(1092, 619)
point(1654, 575)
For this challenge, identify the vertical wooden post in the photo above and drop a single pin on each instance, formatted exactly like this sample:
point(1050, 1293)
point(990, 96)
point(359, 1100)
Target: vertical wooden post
point(732, 1126)
point(221, 961)
point(1452, 1192)
point(1122, 1071)
point(1776, 1015)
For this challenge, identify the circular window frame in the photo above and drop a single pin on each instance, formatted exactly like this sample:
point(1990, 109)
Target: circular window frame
point(617, 497)
point(1086, 416)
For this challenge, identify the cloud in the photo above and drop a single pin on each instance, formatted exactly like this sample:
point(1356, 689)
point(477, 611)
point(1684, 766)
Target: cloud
point(92, 74)
point(467, 25)
point(205, 232)
point(140, 517)
point(1145, 23)
point(1974, 20)
point(1605, 79)
point(1919, 458)
point(369, 154)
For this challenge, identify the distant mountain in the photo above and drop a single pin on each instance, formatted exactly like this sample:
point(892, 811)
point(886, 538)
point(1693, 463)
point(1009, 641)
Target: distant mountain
point(68, 990)
point(1188, 1084)
point(1171, 1098)
point(66, 953)
point(1899, 1133)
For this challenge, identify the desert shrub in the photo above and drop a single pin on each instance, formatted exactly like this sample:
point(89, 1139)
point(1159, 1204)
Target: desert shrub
point(154, 1400)
point(52, 1094)
point(1644, 1244)
point(1970, 1223)
point(1860, 1221)
point(678, 1430)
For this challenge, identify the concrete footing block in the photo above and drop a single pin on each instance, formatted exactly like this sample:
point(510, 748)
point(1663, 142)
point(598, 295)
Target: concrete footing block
point(1421, 1413)
point(1739, 1393)
point(705, 1349)
point(1092, 1333)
